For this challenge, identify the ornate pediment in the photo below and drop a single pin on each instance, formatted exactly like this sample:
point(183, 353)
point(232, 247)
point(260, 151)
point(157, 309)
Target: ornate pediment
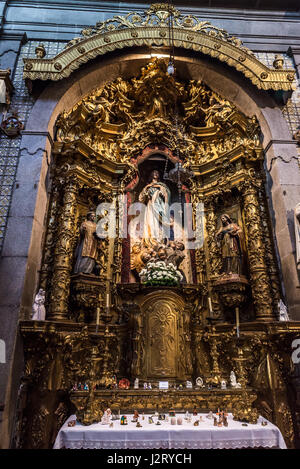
point(120, 119)
point(151, 28)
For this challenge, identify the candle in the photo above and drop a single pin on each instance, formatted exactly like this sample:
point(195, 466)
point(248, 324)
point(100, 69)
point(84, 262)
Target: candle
point(210, 306)
point(107, 300)
point(98, 316)
point(237, 319)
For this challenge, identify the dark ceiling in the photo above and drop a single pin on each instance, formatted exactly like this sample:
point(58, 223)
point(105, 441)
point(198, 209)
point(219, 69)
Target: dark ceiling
point(287, 5)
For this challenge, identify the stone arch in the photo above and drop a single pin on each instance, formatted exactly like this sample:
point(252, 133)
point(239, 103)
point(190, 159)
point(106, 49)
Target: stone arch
point(280, 149)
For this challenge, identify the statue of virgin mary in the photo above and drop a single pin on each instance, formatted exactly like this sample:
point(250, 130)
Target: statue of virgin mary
point(156, 195)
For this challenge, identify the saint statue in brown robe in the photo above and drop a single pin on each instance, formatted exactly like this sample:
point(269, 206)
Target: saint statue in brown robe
point(87, 249)
point(229, 235)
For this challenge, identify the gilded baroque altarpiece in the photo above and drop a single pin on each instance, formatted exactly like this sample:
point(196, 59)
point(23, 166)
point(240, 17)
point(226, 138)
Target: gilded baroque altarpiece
point(104, 150)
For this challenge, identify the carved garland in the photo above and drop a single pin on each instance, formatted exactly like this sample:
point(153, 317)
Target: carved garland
point(151, 29)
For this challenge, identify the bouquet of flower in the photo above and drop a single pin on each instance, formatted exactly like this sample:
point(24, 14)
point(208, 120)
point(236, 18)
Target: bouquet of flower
point(160, 274)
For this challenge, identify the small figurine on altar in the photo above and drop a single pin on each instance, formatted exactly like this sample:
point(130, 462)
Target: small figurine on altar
point(136, 383)
point(172, 413)
point(196, 423)
point(150, 420)
point(114, 382)
point(135, 416)
point(223, 384)
point(106, 418)
point(72, 423)
point(220, 421)
point(145, 385)
point(124, 383)
point(123, 420)
point(75, 388)
point(210, 415)
point(149, 386)
point(199, 382)
point(215, 422)
point(138, 425)
point(233, 381)
point(85, 387)
point(189, 385)
point(195, 411)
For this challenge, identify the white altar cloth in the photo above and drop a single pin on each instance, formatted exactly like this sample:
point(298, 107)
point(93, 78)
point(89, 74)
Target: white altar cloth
point(167, 436)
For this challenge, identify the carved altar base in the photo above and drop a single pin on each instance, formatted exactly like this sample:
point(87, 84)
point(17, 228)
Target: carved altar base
point(237, 401)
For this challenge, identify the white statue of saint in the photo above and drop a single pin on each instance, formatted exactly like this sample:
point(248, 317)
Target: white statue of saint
point(283, 314)
point(39, 312)
point(136, 383)
point(223, 384)
point(297, 233)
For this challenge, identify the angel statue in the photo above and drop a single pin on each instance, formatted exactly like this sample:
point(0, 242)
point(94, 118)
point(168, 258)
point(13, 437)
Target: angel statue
point(39, 312)
point(156, 195)
point(229, 236)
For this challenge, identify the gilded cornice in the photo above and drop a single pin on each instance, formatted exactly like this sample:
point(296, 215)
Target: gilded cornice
point(151, 29)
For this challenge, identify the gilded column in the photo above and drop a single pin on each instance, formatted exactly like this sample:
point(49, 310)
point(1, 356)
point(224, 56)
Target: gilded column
point(49, 244)
point(260, 283)
point(60, 285)
point(270, 252)
point(212, 253)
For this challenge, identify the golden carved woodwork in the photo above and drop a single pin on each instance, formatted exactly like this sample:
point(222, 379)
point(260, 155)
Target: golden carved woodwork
point(149, 120)
point(57, 358)
point(155, 400)
point(151, 29)
point(156, 333)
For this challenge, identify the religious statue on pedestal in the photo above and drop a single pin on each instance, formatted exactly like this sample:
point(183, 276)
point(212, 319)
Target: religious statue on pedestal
point(156, 195)
point(229, 237)
point(39, 312)
point(87, 250)
point(158, 256)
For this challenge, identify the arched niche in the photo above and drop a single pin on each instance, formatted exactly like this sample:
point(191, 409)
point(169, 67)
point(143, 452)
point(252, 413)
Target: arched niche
point(57, 97)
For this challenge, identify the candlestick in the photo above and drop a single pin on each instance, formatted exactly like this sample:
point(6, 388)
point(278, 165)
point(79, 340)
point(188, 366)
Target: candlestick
point(107, 300)
point(237, 320)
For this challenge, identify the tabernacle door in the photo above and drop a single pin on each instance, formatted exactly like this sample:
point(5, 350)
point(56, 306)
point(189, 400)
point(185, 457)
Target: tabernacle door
point(161, 313)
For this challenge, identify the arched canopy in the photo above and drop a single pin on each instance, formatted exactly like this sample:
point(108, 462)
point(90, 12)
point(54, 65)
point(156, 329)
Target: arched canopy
point(151, 29)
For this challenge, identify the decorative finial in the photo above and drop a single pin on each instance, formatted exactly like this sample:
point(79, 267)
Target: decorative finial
point(278, 62)
point(40, 51)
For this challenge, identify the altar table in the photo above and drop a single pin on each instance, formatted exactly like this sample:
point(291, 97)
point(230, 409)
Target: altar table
point(167, 436)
